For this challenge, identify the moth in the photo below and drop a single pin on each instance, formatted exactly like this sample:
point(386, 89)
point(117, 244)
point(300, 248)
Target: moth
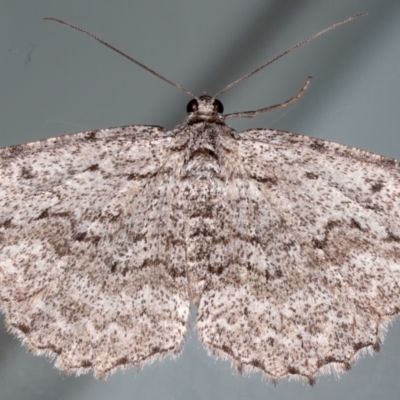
point(288, 245)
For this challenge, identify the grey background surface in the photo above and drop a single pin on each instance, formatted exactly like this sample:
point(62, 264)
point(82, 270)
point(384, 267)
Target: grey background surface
point(55, 81)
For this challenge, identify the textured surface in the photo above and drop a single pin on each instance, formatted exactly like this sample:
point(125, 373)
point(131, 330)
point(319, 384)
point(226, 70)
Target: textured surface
point(289, 246)
point(314, 268)
point(92, 263)
point(73, 85)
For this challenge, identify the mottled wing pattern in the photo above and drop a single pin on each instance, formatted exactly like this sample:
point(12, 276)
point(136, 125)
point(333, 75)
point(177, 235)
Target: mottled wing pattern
point(91, 250)
point(310, 275)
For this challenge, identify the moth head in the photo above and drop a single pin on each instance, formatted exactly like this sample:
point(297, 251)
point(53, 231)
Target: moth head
point(205, 108)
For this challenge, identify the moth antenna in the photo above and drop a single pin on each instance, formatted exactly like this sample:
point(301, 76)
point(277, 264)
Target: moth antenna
point(177, 85)
point(288, 51)
point(252, 114)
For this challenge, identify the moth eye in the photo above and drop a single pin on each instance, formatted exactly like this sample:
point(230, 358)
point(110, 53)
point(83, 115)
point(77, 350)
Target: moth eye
point(218, 107)
point(192, 106)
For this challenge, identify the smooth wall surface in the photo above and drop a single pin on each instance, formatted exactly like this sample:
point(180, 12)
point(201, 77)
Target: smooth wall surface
point(55, 81)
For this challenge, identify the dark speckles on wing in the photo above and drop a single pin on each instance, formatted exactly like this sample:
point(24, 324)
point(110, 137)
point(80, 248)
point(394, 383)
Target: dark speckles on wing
point(7, 223)
point(80, 236)
point(90, 135)
point(26, 173)
point(310, 175)
point(92, 168)
point(377, 187)
point(341, 208)
point(288, 245)
point(43, 214)
point(392, 237)
point(82, 222)
point(355, 224)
